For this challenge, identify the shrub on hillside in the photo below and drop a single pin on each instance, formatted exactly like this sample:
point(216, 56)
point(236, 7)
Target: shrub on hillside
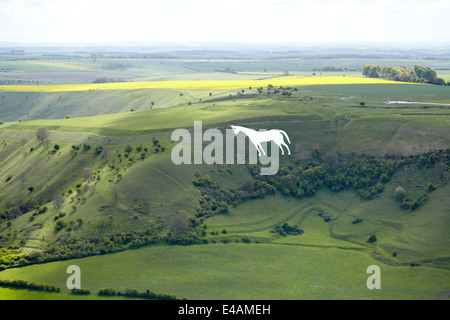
point(107, 292)
point(400, 193)
point(372, 238)
point(81, 291)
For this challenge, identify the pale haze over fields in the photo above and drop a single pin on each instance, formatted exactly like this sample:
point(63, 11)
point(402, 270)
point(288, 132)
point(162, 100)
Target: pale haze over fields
point(100, 21)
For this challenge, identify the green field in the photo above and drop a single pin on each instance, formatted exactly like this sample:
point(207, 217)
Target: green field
point(131, 219)
point(244, 271)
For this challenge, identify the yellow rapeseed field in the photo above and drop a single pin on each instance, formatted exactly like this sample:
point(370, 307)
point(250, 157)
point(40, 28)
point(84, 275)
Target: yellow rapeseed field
point(198, 84)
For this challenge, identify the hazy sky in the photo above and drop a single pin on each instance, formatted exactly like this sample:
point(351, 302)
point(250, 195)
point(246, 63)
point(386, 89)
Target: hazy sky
point(191, 21)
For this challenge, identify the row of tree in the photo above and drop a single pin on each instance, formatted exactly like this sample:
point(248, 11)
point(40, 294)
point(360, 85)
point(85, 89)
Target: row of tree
point(418, 74)
point(133, 293)
point(21, 284)
point(107, 80)
point(332, 68)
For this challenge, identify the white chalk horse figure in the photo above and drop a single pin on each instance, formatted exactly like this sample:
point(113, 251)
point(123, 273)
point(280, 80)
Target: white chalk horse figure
point(256, 137)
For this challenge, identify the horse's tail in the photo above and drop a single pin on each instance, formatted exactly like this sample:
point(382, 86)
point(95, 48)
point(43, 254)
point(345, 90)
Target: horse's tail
point(285, 134)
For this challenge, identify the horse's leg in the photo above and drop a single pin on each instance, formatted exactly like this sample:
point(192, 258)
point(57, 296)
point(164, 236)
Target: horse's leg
point(260, 148)
point(255, 144)
point(284, 144)
point(279, 146)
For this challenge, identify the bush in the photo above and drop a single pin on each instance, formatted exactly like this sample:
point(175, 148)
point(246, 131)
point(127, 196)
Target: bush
point(430, 187)
point(372, 238)
point(107, 292)
point(414, 205)
point(384, 178)
point(246, 239)
point(60, 225)
point(400, 193)
point(405, 205)
point(43, 209)
point(128, 149)
point(81, 291)
point(325, 216)
point(286, 229)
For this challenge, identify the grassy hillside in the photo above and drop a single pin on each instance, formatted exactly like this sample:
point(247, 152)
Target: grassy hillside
point(110, 185)
point(25, 106)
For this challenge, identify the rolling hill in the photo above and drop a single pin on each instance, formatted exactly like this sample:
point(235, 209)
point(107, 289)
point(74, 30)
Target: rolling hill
point(103, 182)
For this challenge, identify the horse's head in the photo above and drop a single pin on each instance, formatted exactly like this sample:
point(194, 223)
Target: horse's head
point(235, 129)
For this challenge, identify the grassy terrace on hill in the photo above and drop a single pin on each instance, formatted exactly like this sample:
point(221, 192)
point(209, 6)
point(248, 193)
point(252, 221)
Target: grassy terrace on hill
point(25, 106)
point(218, 106)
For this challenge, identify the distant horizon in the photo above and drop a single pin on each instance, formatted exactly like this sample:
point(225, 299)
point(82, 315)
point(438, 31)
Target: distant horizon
point(218, 42)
